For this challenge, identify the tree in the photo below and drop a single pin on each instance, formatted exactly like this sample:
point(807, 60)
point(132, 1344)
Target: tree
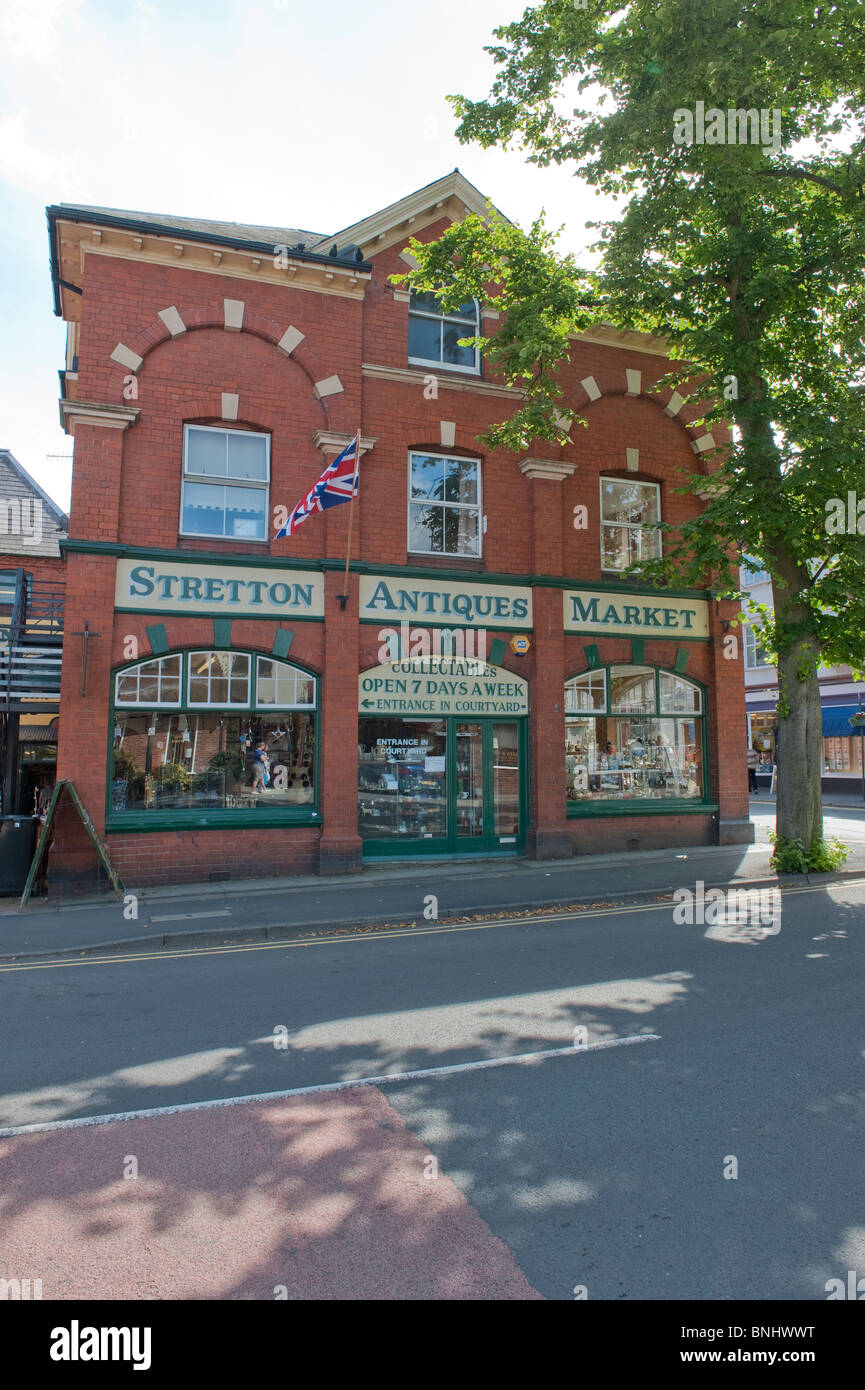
point(733, 131)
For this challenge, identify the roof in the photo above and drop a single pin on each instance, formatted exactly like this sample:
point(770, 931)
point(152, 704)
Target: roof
point(237, 231)
point(453, 195)
point(31, 538)
point(38, 733)
point(435, 194)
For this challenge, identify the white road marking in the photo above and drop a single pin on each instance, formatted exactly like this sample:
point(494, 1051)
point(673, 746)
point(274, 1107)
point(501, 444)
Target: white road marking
point(185, 916)
point(520, 1058)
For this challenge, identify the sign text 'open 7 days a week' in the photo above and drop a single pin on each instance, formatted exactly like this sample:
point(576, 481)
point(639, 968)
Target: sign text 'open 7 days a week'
point(441, 686)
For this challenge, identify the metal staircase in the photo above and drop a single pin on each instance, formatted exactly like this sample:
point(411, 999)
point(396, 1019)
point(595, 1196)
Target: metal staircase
point(31, 644)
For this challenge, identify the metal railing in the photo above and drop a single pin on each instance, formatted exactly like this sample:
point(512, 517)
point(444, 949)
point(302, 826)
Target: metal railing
point(31, 634)
point(45, 609)
point(29, 673)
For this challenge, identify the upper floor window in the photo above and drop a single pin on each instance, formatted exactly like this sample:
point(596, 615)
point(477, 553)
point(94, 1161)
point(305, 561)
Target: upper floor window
point(626, 508)
point(434, 336)
point(225, 479)
point(754, 653)
point(751, 573)
point(444, 510)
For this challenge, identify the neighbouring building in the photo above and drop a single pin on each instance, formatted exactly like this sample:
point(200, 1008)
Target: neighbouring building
point(485, 683)
point(31, 635)
point(840, 697)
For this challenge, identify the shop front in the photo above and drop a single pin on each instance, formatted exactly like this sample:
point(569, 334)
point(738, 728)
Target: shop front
point(441, 759)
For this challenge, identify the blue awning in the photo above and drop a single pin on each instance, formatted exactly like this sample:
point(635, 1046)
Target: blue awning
point(836, 721)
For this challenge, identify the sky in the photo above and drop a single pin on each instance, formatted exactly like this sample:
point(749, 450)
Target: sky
point(310, 115)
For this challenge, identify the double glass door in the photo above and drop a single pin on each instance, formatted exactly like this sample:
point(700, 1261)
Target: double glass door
point(441, 786)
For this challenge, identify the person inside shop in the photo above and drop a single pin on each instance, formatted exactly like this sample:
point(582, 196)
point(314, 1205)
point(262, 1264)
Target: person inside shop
point(613, 759)
point(260, 767)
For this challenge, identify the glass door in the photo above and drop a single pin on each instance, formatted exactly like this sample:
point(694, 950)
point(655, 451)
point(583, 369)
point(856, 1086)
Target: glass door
point(488, 812)
point(469, 788)
point(506, 783)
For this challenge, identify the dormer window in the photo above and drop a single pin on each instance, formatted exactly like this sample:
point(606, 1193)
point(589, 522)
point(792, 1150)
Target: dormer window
point(434, 336)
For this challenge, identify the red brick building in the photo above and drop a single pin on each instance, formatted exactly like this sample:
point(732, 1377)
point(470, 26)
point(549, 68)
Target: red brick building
point(486, 684)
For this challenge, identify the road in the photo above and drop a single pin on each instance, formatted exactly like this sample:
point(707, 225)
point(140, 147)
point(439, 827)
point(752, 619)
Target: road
point(598, 1169)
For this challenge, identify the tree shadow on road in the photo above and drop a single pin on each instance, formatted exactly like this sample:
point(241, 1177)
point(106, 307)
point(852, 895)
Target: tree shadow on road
point(609, 1170)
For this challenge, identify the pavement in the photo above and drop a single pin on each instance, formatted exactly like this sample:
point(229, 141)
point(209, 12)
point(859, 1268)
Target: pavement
point(265, 909)
point(325, 1197)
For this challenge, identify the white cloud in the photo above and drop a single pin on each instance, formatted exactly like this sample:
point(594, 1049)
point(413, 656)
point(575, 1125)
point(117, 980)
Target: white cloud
point(31, 30)
point(24, 163)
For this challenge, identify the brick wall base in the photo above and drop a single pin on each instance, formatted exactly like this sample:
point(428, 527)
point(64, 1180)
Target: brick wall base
point(549, 844)
point(610, 835)
point(152, 860)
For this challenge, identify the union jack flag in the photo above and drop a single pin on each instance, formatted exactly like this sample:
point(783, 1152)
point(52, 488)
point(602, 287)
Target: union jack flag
point(338, 483)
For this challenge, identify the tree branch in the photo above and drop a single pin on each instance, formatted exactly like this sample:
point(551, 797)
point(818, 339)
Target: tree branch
point(798, 174)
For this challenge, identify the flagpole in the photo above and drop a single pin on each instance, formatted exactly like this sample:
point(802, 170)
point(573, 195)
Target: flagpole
point(343, 597)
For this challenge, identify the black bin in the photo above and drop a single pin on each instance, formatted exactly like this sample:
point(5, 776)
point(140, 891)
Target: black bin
point(18, 835)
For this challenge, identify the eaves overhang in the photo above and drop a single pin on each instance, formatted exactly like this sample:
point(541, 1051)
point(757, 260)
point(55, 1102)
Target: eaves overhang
point(164, 232)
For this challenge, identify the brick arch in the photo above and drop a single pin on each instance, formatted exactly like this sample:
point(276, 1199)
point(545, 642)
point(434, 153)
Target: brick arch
point(368, 650)
point(660, 399)
point(334, 408)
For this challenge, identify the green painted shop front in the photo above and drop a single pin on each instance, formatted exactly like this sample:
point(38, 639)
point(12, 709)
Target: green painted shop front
point(442, 760)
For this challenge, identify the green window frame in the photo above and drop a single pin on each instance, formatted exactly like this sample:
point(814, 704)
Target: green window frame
point(635, 781)
point(283, 701)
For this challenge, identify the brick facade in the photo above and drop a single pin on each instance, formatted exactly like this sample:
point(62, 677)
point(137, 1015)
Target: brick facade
point(127, 488)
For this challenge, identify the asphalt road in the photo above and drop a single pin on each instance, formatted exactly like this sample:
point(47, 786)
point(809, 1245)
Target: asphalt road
point(598, 1168)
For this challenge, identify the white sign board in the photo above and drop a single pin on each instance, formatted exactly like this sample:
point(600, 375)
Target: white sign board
point(442, 685)
point(229, 591)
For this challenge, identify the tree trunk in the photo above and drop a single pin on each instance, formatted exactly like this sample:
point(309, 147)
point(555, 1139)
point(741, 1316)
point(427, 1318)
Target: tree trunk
point(800, 728)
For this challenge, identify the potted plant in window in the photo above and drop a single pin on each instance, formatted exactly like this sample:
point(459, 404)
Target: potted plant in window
point(172, 781)
point(225, 772)
point(128, 782)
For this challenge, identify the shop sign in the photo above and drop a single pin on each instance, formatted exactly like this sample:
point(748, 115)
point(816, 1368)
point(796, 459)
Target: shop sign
point(441, 686)
point(384, 598)
point(592, 612)
point(172, 586)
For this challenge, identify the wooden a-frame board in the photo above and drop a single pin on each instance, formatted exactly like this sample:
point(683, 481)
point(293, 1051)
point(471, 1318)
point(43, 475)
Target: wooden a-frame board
point(98, 843)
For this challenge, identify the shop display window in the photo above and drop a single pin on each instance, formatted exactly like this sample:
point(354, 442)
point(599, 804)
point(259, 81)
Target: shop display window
point(402, 791)
point(638, 735)
point(224, 757)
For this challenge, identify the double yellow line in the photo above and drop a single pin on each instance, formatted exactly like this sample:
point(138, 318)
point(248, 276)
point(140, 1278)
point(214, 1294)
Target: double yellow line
point(393, 934)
